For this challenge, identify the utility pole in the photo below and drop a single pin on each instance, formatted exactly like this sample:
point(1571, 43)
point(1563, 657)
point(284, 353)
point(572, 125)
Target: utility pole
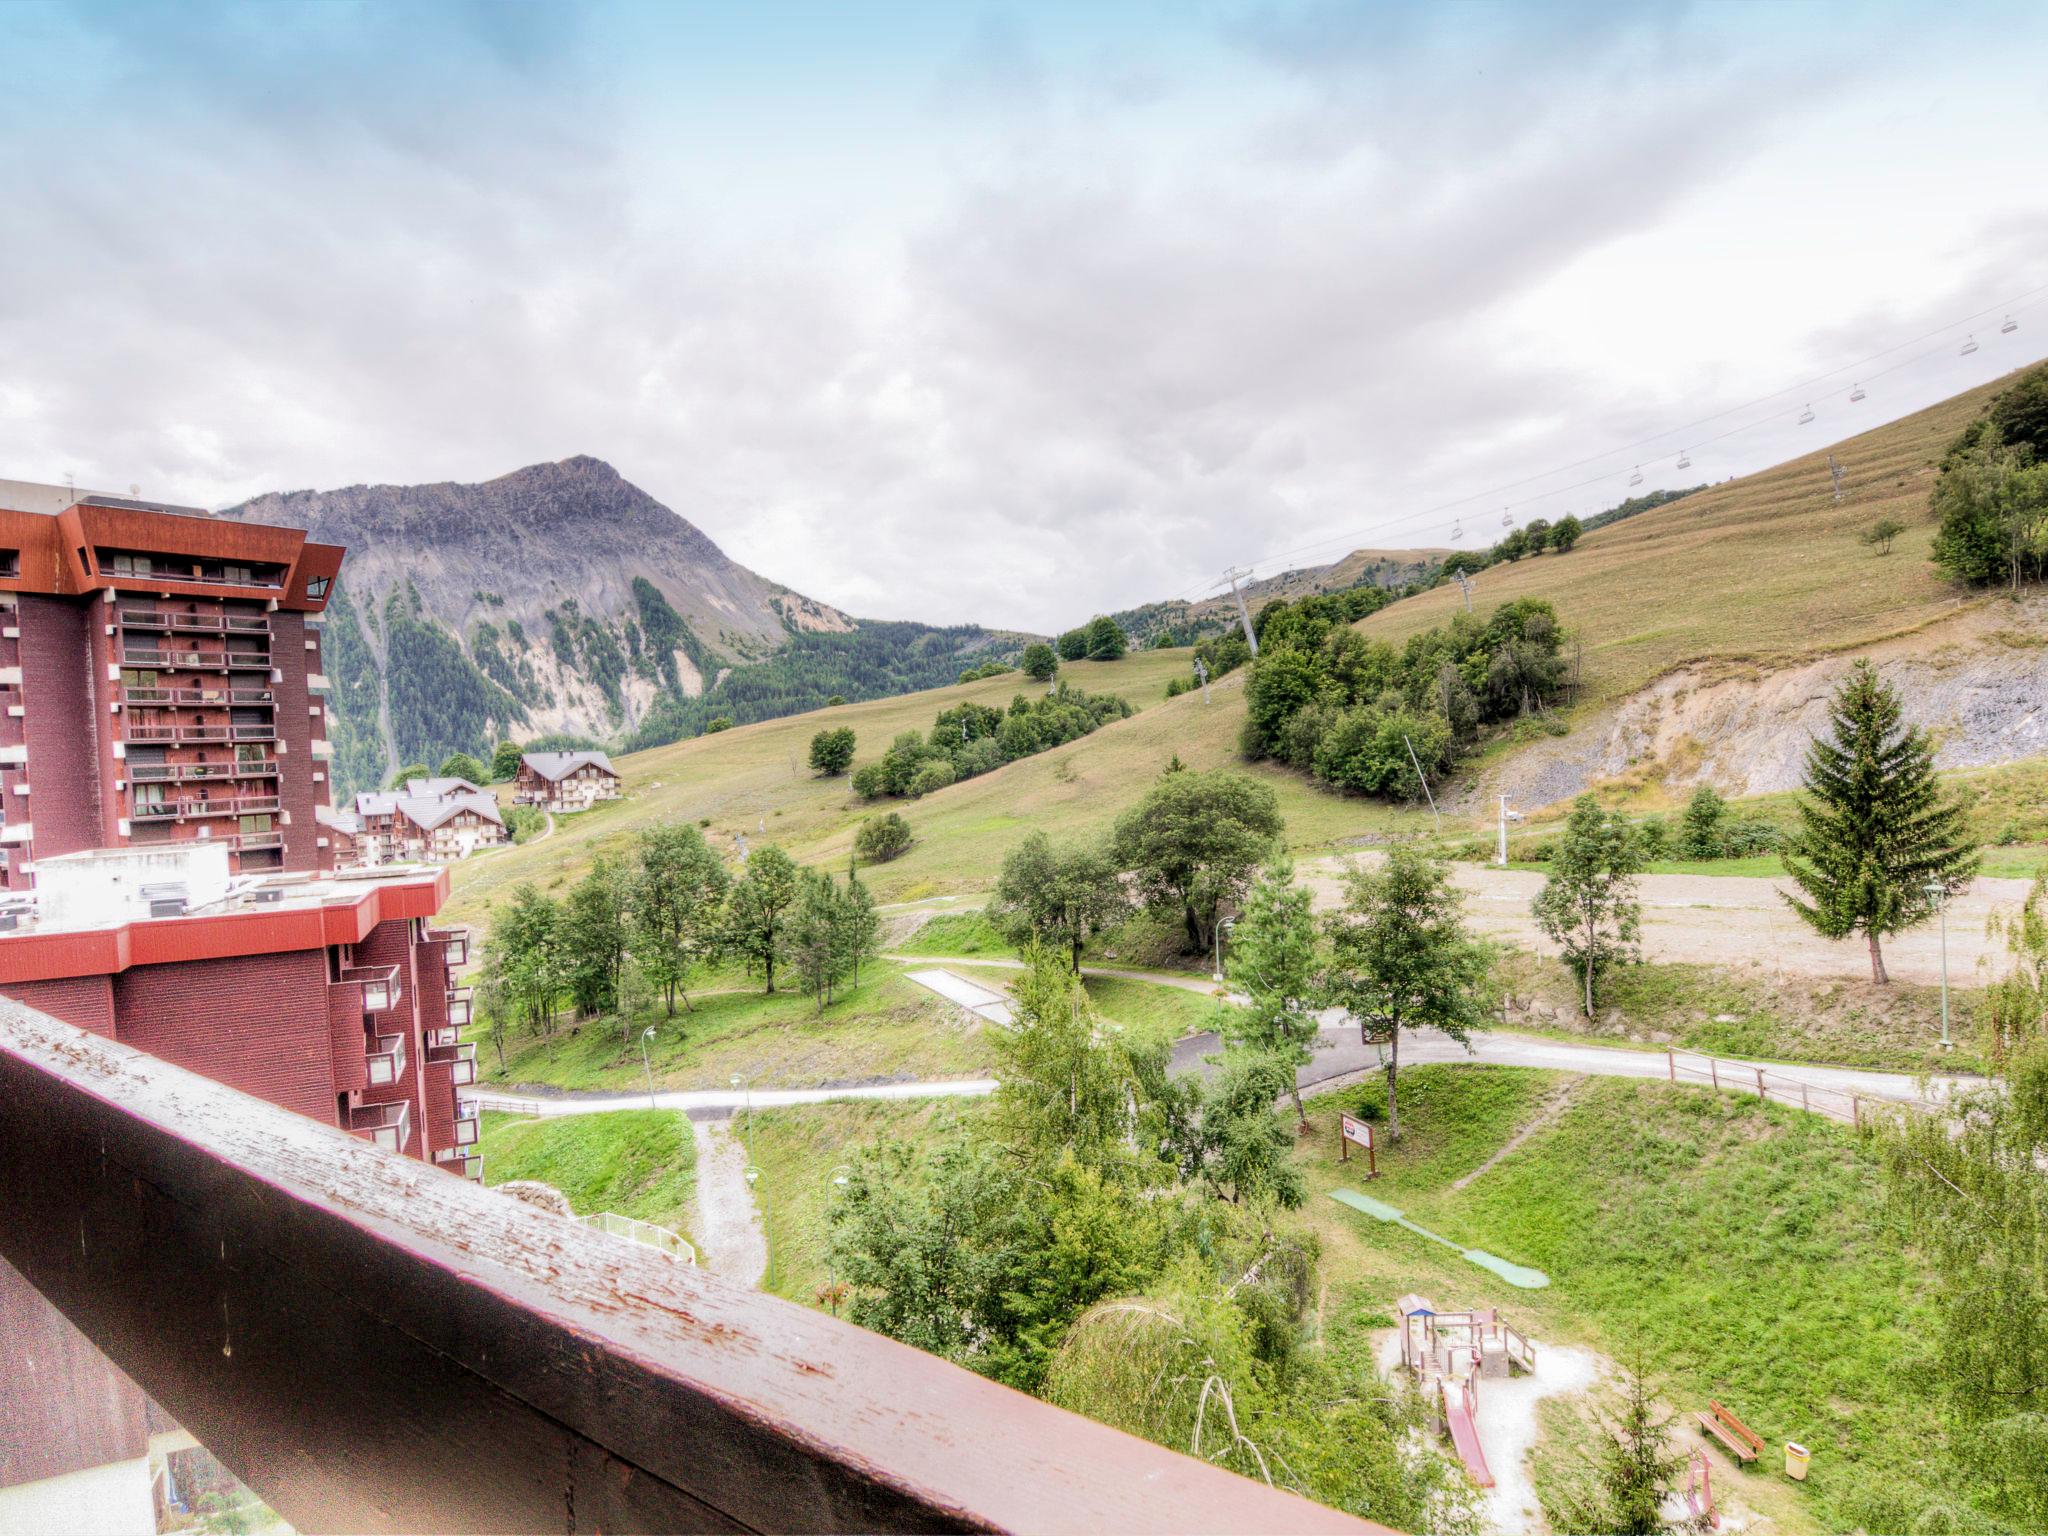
point(1465, 584)
point(1202, 671)
point(1234, 575)
point(1425, 783)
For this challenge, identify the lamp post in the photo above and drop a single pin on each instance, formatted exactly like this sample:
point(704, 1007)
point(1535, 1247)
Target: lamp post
point(1939, 896)
point(1221, 928)
point(646, 1035)
point(831, 1259)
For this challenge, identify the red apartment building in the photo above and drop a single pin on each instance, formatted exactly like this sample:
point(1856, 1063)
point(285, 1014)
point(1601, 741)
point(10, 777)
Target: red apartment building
point(160, 676)
point(163, 773)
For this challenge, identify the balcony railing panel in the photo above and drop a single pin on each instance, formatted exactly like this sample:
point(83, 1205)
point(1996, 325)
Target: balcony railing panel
point(373, 1347)
point(183, 773)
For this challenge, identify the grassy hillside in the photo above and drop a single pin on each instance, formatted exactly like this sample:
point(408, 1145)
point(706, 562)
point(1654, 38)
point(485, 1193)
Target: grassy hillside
point(1762, 570)
point(1739, 1246)
point(754, 782)
point(640, 1163)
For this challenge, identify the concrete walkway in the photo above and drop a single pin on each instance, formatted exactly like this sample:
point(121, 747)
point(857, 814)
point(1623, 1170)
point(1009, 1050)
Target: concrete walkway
point(975, 998)
point(1180, 979)
point(728, 1230)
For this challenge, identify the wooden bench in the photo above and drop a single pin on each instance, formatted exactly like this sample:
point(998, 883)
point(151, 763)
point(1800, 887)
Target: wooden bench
point(1743, 1443)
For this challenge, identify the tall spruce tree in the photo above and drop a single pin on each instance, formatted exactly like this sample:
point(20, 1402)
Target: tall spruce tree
point(1876, 833)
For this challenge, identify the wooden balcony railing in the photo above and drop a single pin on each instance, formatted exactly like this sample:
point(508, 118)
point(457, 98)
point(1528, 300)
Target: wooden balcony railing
point(186, 773)
point(374, 1346)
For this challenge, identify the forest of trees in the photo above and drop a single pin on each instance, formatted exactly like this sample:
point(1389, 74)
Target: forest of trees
point(1364, 716)
point(973, 738)
point(1991, 494)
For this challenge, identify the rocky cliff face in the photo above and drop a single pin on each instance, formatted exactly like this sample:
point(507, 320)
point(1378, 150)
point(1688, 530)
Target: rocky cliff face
point(557, 600)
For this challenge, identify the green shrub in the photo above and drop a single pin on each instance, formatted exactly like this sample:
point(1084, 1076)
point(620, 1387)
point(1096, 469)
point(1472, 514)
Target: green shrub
point(882, 838)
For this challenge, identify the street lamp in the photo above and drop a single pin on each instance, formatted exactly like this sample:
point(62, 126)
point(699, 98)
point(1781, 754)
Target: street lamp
point(1221, 928)
point(646, 1035)
point(1937, 894)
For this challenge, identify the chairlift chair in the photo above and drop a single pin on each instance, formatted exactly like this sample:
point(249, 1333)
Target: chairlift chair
point(1805, 416)
point(1856, 394)
point(1507, 518)
point(2009, 327)
point(1637, 477)
point(1684, 459)
point(1457, 532)
point(1969, 346)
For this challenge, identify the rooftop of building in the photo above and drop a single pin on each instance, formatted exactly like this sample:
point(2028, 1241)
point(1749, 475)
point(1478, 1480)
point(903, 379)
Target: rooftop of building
point(50, 500)
point(559, 765)
point(107, 909)
point(425, 810)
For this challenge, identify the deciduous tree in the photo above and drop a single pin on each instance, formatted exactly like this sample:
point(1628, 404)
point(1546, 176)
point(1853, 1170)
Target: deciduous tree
point(1059, 896)
point(678, 906)
point(1193, 844)
point(1276, 960)
point(757, 911)
point(832, 751)
point(1039, 661)
point(1401, 958)
point(1588, 905)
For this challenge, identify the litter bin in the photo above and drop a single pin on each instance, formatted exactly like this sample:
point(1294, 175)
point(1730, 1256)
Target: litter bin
point(1796, 1458)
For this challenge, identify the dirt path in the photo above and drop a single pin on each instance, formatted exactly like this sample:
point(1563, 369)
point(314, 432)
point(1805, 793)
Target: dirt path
point(1186, 983)
point(1719, 919)
point(730, 1240)
point(1559, 1100)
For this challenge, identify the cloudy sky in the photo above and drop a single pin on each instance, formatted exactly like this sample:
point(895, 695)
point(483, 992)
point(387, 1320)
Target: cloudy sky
point(1007, 314)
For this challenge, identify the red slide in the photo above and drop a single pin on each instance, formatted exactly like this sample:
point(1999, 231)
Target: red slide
point(1464, 1435)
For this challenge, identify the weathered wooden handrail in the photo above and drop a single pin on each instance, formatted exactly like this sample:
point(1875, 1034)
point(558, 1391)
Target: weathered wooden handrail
point(375, 1345)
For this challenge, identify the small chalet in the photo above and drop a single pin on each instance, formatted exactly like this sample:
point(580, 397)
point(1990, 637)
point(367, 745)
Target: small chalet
point(430, 819)
point(565, 781)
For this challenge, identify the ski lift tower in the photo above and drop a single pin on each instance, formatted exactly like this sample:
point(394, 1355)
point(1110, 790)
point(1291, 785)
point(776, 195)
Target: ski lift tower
point(1234, 575)
point(1506, 816)
point(1202, 671)
point(1465, 586)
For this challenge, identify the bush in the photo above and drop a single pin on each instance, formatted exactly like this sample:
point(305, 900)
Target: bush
point(716, 724)
point(1747, 836)
point(934, 775)
point(870, 782)
point(832, 751)
point(1655, 837)
point(522, 821)
point(882, 838)
point(1177, 686)
point(1699, 831)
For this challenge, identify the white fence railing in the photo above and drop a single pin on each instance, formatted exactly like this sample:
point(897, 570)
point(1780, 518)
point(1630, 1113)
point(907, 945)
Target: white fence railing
point(635, 1230)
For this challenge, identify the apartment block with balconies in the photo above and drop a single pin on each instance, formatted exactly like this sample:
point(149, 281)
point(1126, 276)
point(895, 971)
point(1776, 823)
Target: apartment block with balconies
point(160, 682)
point(329, 996)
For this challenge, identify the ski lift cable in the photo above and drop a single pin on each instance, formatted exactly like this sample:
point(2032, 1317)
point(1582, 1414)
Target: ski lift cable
point(2032, 298)
point(1548, 495)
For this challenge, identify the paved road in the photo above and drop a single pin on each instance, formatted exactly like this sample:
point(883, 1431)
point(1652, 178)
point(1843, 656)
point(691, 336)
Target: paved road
point(993, 1007)
point(1340, 1054)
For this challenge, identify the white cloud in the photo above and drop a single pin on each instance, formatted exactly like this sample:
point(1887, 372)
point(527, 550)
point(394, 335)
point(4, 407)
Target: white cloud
point(985, 324)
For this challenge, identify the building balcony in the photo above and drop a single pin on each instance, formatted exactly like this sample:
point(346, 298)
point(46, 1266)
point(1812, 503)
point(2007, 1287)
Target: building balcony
point(459, 1059)
point(386, 1061)
point(160, 660)
point(457, 940)
point(381, 989)
point(459, 1006)
point(639, 1392)
point(192, 773)
point(254, 842)
point(193, 623)
point(471, 1166)
point(190, 808)
point(466, 1122)
point(195, 698)
point(387, 1125)
point(152, 734)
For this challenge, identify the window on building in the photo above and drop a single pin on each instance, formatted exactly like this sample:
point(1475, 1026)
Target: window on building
point(131, 565)
point(317, 587)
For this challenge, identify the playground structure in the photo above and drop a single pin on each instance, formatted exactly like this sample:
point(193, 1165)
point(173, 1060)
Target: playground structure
point(1449, 1353)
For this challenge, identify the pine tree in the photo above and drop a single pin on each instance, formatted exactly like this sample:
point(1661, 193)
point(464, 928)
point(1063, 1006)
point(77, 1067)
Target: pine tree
point(1638, 1469)
point(1877, 844)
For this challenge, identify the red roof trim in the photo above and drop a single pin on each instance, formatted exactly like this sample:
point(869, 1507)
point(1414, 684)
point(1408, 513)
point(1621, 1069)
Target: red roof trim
point(251, 931)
